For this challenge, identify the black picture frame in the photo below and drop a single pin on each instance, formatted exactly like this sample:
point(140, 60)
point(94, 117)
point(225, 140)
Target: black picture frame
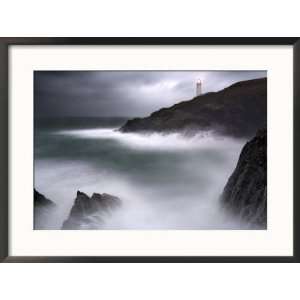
point(4, 149)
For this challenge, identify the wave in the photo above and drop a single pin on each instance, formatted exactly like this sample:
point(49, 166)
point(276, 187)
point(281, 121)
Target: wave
point(155, 141)
point(165, 181)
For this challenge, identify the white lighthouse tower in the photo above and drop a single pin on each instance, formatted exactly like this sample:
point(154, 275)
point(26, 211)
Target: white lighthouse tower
point(198, 88)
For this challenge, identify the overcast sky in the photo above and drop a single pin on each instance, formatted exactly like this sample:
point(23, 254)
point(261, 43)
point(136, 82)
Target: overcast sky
point(125, 93)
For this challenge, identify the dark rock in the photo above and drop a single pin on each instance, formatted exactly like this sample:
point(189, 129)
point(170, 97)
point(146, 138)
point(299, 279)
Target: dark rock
point(245, 193)
point(239, 111)
point(41, 201)
point(88, 212)
point(43, 207)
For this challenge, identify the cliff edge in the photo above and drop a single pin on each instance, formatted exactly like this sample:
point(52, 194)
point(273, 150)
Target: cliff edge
point(238, 110)
point(245, 193)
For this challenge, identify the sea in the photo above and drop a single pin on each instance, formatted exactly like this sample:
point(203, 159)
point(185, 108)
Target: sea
point(165, 181)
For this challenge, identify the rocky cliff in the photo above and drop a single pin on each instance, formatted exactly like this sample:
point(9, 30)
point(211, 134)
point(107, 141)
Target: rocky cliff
point(42, 208)
point(245, 193)
point(239, 110)
point(88, 212)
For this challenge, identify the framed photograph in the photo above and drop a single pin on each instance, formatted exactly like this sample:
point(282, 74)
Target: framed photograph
point(149, 149)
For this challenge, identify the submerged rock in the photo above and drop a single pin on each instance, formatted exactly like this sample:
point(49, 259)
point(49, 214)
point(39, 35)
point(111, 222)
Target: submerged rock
point(42, 208)
point(245, 193)
point(88, 212)
point(239, 111)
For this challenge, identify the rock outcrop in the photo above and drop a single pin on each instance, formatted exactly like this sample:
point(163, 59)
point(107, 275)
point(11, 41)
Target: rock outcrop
point(239, 111)
point(245, 193)
point(88, 212)
point(41, 201)
point(42, 208)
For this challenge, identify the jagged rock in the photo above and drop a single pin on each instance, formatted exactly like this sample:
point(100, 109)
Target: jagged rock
point(245, 193)
point(41, 201)
point(88, 212)
point(42, 208)
point(239, 111)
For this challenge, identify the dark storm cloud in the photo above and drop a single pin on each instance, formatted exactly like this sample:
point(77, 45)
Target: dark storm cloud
point(122, 93)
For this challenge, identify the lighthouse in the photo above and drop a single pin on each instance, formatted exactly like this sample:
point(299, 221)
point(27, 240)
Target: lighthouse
point(198, 88)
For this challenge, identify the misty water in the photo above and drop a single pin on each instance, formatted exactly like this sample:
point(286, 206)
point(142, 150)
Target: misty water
point(164, 181)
